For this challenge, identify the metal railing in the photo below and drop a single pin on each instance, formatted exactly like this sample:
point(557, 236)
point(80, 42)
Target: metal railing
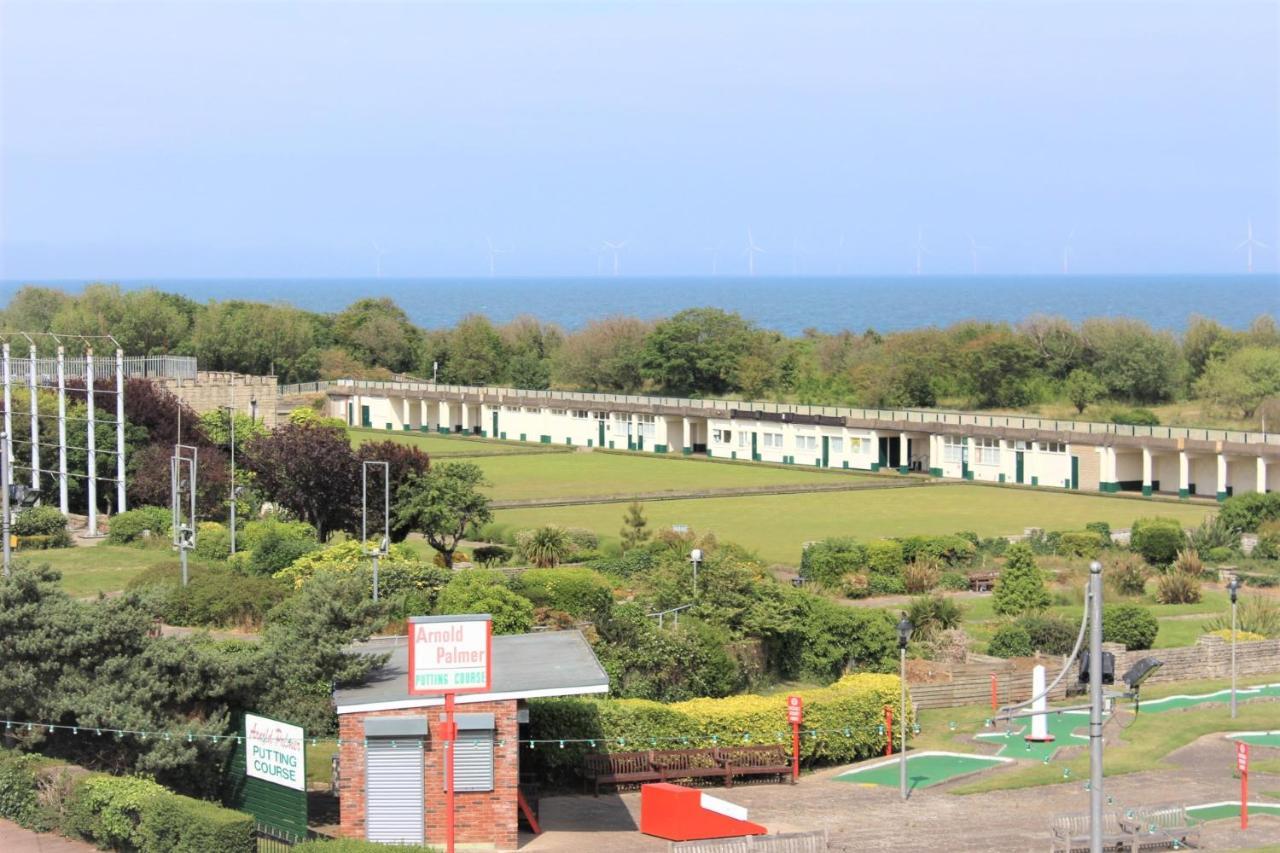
point(139, 366)
point(271, 839)
point(910, 416)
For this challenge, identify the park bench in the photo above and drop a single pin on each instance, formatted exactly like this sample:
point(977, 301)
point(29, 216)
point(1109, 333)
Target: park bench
point(744, 761)
point(620, 768)
point(1071, 832)
point(1162, 826)
point(982, 581)
point(689, 764)
point(784, 842)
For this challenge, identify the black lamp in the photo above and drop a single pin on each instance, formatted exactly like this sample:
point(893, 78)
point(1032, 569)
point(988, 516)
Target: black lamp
point(1233, 587)
point(904, 632)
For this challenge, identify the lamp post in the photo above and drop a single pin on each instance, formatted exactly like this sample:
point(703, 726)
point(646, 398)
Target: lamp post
point(1233, 588)
point(384, 543)
point(231, 418)
point(1095, 707)
point(253, 410)
point(4, 498)
point(695, 557)
point(904, 636)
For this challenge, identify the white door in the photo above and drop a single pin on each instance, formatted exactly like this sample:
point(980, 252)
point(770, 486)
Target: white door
point(393, 791)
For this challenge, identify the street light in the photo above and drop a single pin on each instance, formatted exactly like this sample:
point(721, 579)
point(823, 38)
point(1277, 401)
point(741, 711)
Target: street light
point(904, 636)
point(231, 418)
point(1233, 587)
point(384, 542)
point(253, 410)
point(695, 557)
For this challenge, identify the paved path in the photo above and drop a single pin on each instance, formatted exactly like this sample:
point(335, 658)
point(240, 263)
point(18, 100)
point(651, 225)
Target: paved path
point(15, 839)
point(874, 818)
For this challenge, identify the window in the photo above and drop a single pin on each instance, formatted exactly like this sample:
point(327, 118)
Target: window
point(744, 439)
point(721, 436)
point(581, 414)
point(533, 410)
point(836, 444)
point(855, 445)
point(773, 439)
point(806, 442)
point(987, 451)
point(953, 449)
point(648, 425)
point(1053, 446)
point(510, 408)
point(560, 412)
point(1020, 445)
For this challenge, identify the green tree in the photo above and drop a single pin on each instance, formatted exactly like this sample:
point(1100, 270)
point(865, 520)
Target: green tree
point(442, 503)
point(483, 591)
point(635, 527)
point(250, 337)
point(999, 365)
point(1083, 388)
point(1242, 380)
point(604, 355)
point(1132, 361)
point(697, 351)
point(476, 355)
point(378, 332)
point(1021, 587)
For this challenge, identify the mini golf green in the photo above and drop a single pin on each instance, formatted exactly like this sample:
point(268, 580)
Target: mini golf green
point(1257, 738)
point(1222, 811)
point(923, 769)
point(1013, 744)
point(1181, 701)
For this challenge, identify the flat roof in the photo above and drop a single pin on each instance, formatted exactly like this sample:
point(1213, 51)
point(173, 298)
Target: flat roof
point(525, 666)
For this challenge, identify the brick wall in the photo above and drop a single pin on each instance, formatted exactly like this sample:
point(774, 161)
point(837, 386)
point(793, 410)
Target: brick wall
point(211, 389)
point(1210, 657)
point(487, 817)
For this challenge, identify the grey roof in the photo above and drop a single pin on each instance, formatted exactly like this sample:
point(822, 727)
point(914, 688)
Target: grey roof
point(542, 664)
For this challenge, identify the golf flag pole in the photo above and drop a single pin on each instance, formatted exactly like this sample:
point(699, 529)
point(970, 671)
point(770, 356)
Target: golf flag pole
point(1242, 764)
point(888, 728)
point(451, 741)
point(795, 715)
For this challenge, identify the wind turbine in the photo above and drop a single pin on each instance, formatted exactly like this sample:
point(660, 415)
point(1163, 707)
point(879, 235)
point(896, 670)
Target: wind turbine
point(752, 251)
point(493, 254)
point(715, 258)
point(921, 251)
point(616, 248)
point(974, 249)
point(1248, 243)
point(378, 253)
point(1066, 253)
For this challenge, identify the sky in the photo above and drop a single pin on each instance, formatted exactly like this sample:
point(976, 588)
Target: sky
point(231, 139)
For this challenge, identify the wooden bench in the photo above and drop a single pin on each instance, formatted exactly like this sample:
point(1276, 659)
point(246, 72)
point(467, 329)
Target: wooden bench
point(1162, 826)
point(620, 768)
point(982, 581)
point(689, 764)
point(744, 761)
point(1071, 832)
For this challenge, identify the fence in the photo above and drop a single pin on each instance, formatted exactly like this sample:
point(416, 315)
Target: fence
point(899, 416)
point(273, 840)
point(104, 367)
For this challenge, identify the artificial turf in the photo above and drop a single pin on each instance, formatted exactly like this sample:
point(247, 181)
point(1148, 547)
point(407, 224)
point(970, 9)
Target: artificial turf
point(923, 769)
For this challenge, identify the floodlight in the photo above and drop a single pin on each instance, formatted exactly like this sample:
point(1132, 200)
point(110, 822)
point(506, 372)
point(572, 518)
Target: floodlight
point(1108, 668)
point(1233, 587)
point(904, 632)
point(695, 556)
point(1140, 672)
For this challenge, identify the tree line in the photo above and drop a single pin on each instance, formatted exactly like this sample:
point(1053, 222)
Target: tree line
point(696, 352)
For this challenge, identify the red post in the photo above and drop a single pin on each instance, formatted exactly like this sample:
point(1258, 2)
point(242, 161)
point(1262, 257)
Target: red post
point(451, 740)
point(995, 693)
point(888, 729)
point(1242, 764)
point(795, 715)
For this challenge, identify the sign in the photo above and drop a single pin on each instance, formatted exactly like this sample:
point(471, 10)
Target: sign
point(1242, 757)
point(273, 752)
point(795, 710)
point(450, 654)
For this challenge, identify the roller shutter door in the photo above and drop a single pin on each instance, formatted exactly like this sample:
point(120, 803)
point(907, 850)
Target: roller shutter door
point(394, 791)
point(473, 762)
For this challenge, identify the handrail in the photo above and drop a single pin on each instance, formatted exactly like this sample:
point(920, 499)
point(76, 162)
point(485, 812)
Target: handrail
point(921, 416)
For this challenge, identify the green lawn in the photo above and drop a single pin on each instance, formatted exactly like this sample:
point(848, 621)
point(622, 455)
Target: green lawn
point(609, 474)
point(100, 568)
point(451, 445)
point(776, 526)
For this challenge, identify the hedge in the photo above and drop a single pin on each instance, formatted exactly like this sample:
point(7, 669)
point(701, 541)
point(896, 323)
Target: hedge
point(1130, 624)
point(41, 527)
point(1158, 540)
point(854, 704)
point(357, 845)
point(18, 801)
point(127, 527)
point(947, 550)
point(580, 592)
point(828, 561)
point(884, 556)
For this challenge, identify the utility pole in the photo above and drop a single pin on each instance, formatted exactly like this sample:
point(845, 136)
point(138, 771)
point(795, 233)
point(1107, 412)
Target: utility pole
point(381, 551)
point(1095, 707)
point(231, 416)
point(1233, 587)
point(4, 502)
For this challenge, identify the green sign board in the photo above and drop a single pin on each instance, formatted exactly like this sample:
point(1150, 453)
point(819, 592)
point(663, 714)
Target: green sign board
point(266, 774)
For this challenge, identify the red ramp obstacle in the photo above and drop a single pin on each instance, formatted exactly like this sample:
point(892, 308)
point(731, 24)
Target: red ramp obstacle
point(677, 813)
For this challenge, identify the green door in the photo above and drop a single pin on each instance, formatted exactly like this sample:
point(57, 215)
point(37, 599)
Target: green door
point(600, 440)
point(639, 441)
point(495, 424)
point(755, 454)
point(1019, 466)
point(364, 418)
point(1075, 472)
point(351, 414)
point(826, 452)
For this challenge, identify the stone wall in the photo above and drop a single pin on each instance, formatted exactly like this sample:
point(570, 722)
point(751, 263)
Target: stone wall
point(212, 388)
point(1210, 657)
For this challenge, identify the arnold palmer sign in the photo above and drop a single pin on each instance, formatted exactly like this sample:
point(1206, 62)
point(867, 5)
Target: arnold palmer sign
point(450, 654)
point(273, 752)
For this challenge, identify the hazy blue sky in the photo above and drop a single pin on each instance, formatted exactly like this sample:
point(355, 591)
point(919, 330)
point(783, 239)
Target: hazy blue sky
point(254, 138)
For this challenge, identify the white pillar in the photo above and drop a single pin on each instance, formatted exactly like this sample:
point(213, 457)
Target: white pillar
point(687, 447)
point(355, 411)
point(445, 422)
point(35, 421)
point(91, 467)
point(1040, 722)
point(63, 500)
point(1262, 475)
point(1107, 482)
point(120, 491)
point(8, 409)
point(466, 416)
point(1184, 474)
point(904, 458)
point(423, 420)
point(1222, 477)
point(1146, 471)
point(404, 412)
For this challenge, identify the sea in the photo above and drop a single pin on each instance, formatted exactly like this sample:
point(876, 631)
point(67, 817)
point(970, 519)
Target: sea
point(786, 304)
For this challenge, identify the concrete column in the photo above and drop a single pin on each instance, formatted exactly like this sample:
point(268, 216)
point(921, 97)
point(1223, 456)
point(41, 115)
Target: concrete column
point(355, 410)
point(423, 418)
point(1184, 475)
point(444, 424)
point(1107, 475)
point(904, 461)
point(1222, 477)
point(935, 455)
point(688, 440)
point(404, 413)
point(967, 465)
point(1146, 472)
point(1261, 487)
point(466, 417)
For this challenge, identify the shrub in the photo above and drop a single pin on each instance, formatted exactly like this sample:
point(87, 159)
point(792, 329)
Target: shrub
point(18, 801)
point(1158, 540)
point(920, 576)
point(131, 813)
point(878, 584)
point(945, 550)
point(1136, 417)
point(1130, 625)
point(884, 556)
point(1248, 511)
point(995, 546)
point(215, 595)
point(458, 557)
point(933, 614)
point(582, 539)
point(127, 527)
point(1241, 636)
point(1255, 614)
point(1188, 562)
point(855, 585)
point(544, 547)
point(1128, 574)
point(854, 704)
point(1020, 587)
point(953, 581)
point(480, 591)
point(1102, 528)
point(826, 563)
point(1010, 641)
point(1087, 544)
point(1214, 532)
point(274, 545)
point(349, 557)
point(579, 592)
point(213, 541)
point(1220, 555)
point(1049, 634)
point(43, 524)
point(491, 555)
